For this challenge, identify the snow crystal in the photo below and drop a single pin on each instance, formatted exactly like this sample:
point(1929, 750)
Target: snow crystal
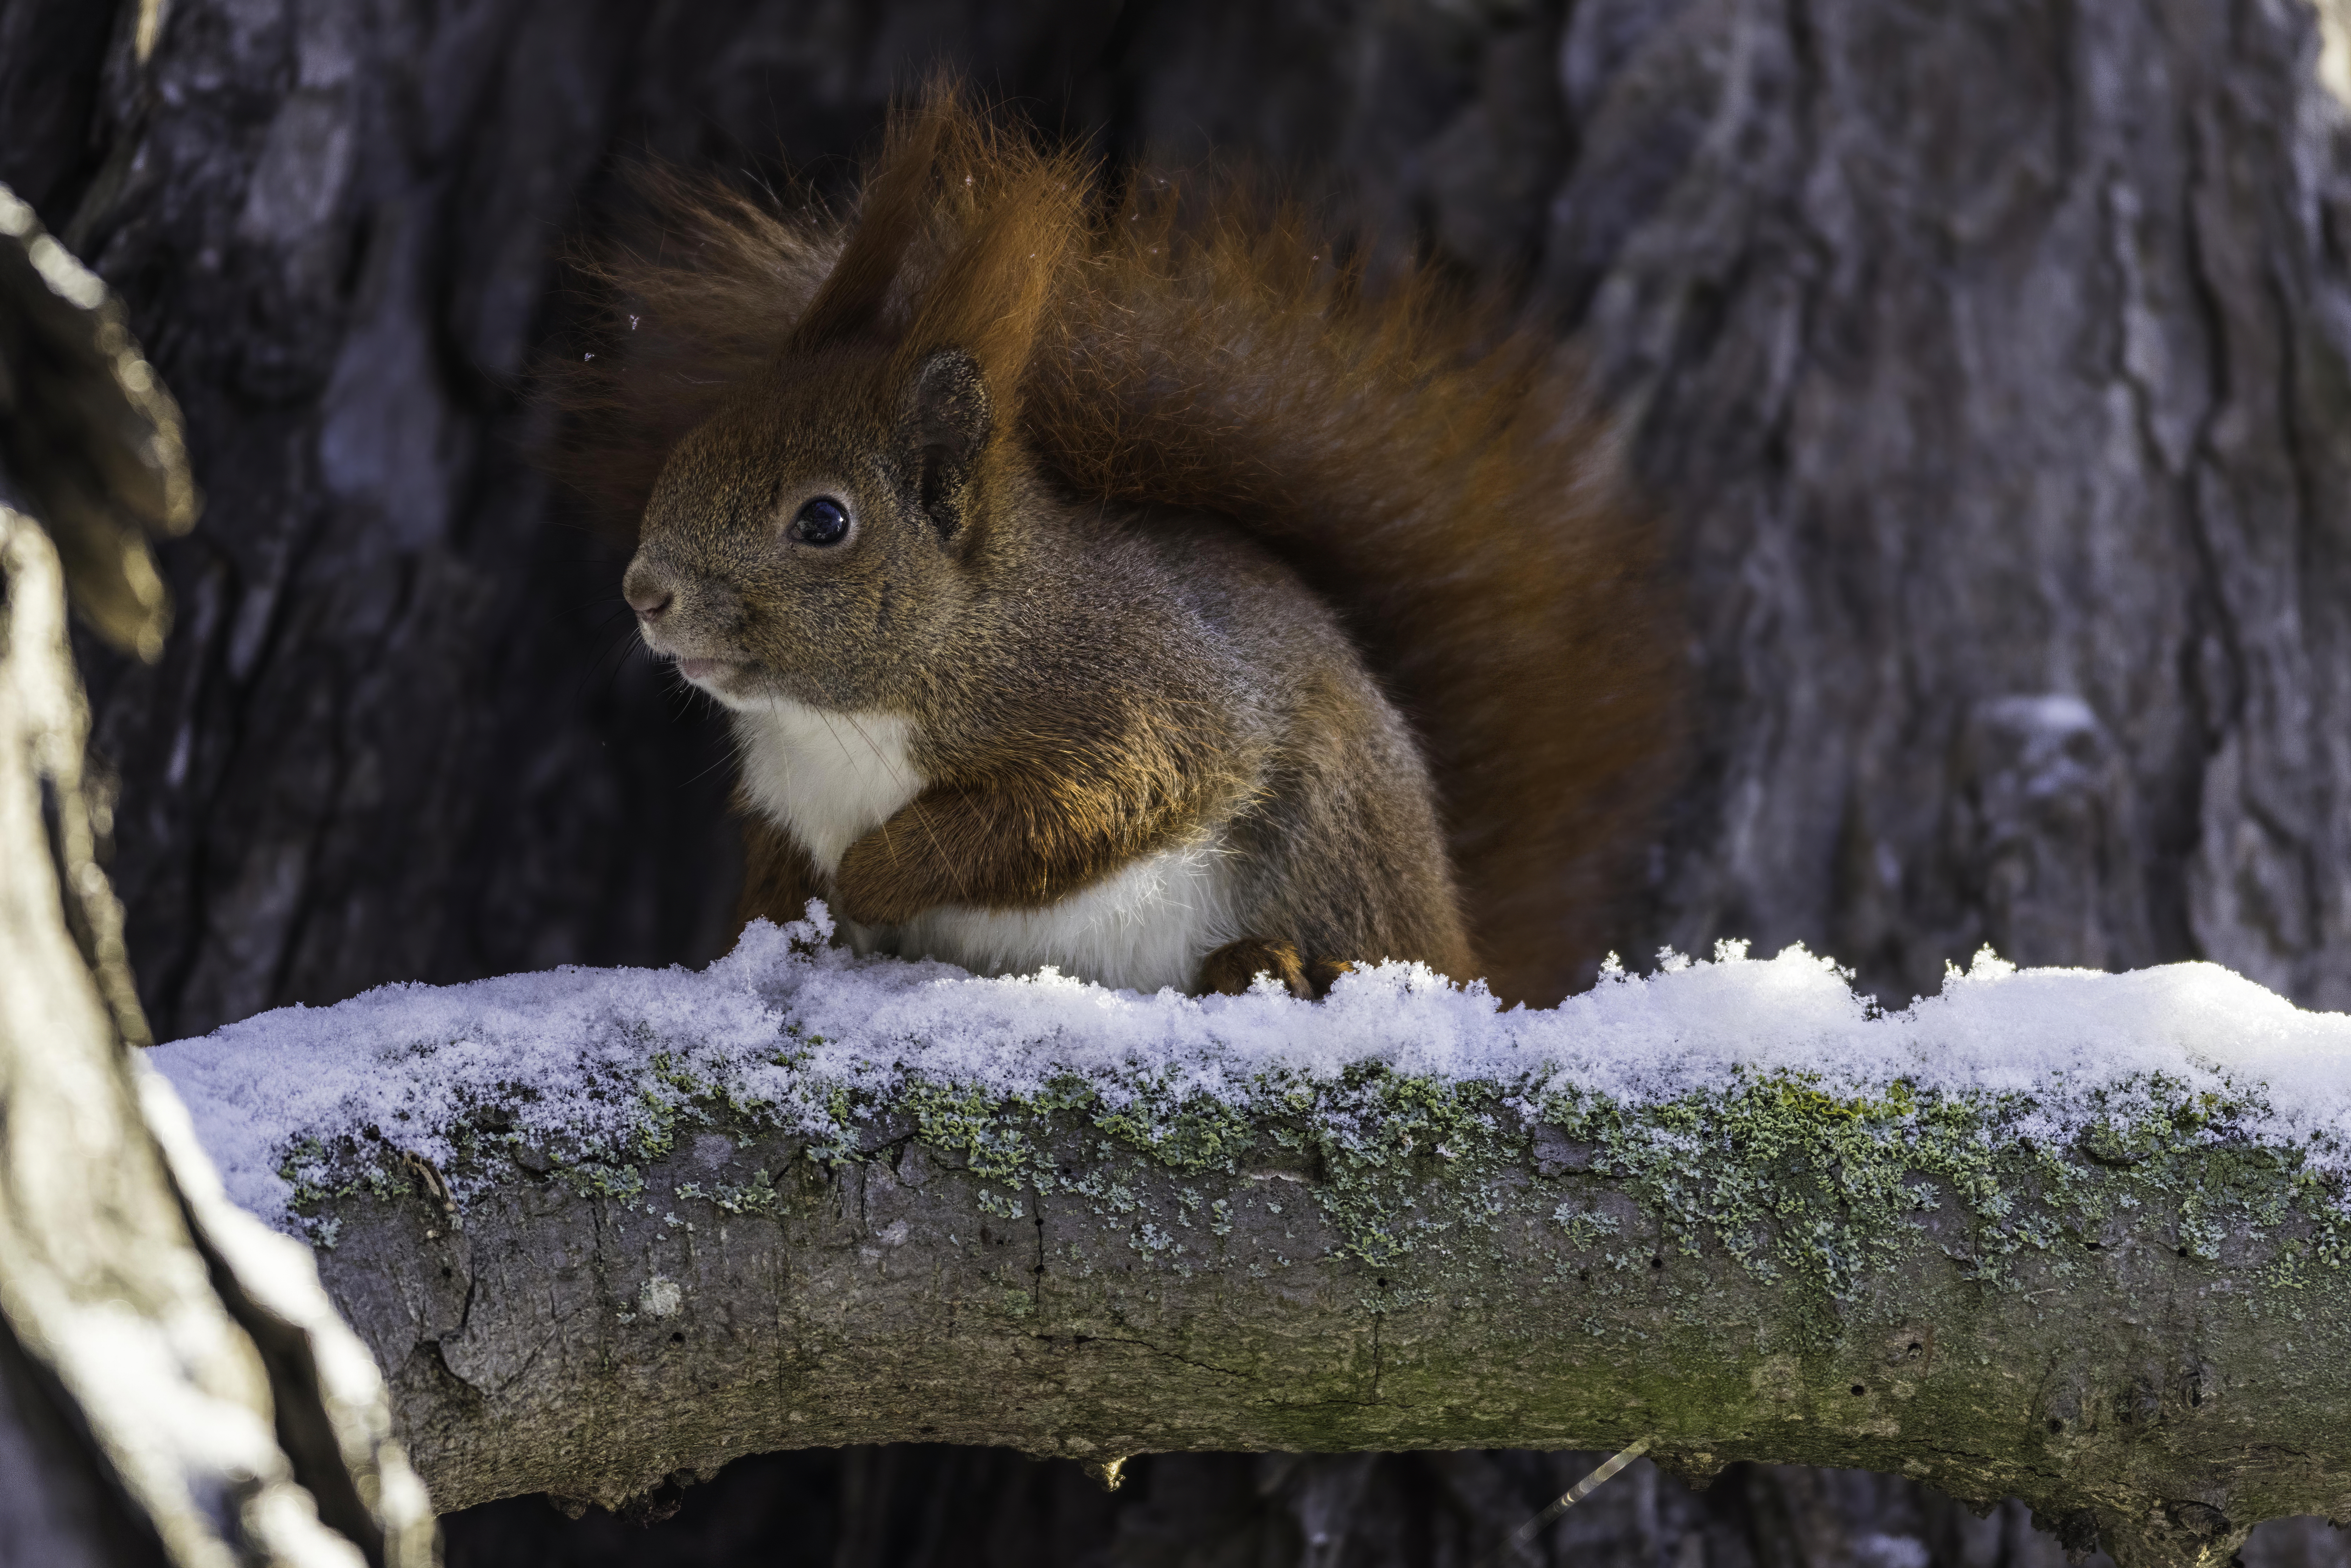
point(565, 1059)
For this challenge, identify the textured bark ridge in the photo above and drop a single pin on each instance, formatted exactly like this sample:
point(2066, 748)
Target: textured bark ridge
point(1383, 1261)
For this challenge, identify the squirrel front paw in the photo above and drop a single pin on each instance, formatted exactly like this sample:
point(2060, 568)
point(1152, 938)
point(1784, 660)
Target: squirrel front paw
point(1233, 967)
point(879, 884)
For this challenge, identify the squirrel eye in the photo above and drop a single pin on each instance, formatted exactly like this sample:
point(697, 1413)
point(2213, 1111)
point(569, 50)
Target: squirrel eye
point(821, 522)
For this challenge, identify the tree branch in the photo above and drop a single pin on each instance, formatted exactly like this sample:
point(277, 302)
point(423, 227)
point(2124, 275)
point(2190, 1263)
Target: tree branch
point(2117, 1292)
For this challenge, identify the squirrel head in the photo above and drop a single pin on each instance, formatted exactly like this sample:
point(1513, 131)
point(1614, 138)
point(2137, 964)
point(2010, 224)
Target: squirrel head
point(815, 538)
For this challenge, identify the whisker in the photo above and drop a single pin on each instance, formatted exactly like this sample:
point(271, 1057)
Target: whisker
point(734, 754)
point(615, 654)
point(885, 824)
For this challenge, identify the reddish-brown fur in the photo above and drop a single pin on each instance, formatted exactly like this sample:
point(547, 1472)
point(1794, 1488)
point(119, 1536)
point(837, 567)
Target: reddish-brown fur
point(1435, 474)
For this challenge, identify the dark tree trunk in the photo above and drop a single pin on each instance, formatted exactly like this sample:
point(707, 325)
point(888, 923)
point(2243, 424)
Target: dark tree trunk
point(1989, 360)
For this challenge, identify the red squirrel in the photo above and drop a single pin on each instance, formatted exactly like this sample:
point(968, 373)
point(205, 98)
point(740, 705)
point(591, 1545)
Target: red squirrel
point(1118, 576)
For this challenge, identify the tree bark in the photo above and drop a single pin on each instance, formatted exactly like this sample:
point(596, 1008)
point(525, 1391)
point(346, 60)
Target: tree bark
point(1997, 361)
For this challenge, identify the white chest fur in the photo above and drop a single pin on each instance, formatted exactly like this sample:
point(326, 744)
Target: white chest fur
point(833, 778)
point(829, 777)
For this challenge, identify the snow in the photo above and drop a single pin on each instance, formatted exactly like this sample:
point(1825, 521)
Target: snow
point(571, 1058)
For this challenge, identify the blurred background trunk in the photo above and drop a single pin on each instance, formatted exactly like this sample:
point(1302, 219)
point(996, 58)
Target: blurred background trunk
point(1990, 361)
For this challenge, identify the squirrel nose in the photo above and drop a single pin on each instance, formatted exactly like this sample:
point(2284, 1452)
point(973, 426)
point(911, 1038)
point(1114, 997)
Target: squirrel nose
point(646, 593)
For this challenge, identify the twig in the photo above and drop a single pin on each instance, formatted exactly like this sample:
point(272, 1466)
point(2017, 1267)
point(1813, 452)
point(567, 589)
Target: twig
point(1575, 1494)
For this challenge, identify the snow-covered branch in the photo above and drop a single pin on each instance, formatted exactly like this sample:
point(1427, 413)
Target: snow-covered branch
point(2076, 1237)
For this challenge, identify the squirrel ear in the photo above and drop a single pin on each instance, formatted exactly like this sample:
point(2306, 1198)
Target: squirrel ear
point(949, 419)
point(949, 407)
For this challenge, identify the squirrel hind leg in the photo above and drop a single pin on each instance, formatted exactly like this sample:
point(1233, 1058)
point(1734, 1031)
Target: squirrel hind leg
point(1233, 967)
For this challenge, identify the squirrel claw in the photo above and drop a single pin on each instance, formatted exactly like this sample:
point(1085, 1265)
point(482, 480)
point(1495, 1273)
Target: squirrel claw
point(1323, 973)
point(1232, 968)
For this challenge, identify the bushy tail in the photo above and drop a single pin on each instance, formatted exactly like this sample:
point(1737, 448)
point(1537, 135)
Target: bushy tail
point(1441, 479)
point(1438, 475)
